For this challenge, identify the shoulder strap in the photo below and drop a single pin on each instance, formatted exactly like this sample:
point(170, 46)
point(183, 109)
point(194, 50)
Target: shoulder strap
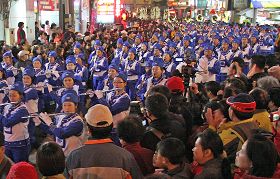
point(158, 133)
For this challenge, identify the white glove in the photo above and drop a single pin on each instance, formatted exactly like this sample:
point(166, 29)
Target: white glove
point(55, 73)
point(99, 94)
point(45, 117)
point(48, 73)
point(49, 87)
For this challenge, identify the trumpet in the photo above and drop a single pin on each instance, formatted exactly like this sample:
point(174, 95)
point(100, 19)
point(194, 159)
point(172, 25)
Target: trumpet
point(32, 115)
point(91, 92)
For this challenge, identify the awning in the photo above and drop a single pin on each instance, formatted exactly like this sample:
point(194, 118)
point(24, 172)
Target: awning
point(246, 12)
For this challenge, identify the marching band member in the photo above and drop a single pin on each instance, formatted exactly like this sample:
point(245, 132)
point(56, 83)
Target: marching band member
point(186, 48)
point(3, 86)
point(118, 50)
point(92, 55)
point(157, 53)
point(125, 49)
point(236, 52)
point(17, 130)
point(133, 70)
point(245, 49)
point(224, 58)
point(143, 78)
point(68, 129)
point(107, 83)
point(168, 65)
point(255, 46)
point(81, 69)
point(118, 101)
point(10, 71)
point(157, 78)
point(99, 67)
point(173, 48)
point(143, 55)
point(208, 66)
point(137, 43)
point(53, 69)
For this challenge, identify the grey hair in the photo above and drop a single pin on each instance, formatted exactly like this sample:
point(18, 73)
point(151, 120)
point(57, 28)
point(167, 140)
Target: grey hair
point(268, 82)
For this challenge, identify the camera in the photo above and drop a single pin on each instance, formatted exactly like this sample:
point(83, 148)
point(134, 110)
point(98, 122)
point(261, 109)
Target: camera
point(274, 117)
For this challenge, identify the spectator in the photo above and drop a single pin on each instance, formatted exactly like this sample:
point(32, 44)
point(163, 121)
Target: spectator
point(37, 30)
point(258, 158)
point(5, 162)
point(50, 160)
point(268, 82)
point(23, 60)
point(208, 152)
point(160, 125)
point(169, 156)
point(22, 170)
point(242, 108)
point(261, 115)
point(130, 132)
point(47, 29)
point(21, 37)
point(99, 156)
point(212, 88)
point(274, 99)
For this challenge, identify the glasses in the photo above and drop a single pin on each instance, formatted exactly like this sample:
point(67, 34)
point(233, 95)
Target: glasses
point(118, 82)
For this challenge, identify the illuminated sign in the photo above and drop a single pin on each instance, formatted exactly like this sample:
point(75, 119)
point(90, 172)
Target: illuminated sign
point(118, 8)
point(105, 11)
point(265, 4)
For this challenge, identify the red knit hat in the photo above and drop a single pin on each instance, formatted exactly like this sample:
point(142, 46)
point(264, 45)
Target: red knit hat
point(175, 84)
point(22, 170)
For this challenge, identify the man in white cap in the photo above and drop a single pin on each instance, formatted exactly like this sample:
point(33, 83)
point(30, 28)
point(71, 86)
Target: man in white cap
point(100, 157)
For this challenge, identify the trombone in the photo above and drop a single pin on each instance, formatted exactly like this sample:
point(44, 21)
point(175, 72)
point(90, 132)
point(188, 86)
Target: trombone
point(32, 115)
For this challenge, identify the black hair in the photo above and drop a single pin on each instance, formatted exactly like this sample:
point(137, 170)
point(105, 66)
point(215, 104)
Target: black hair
point(100, 132)
point(237, 83)
point(20, 24)
point(209, 139)
point(259, 61)
point(261, 98)
point(162, 90)
point(173, 149)
point(213, 87)
point(50, 159)
point(274, 96)
point(131, 129)
point(263, 154)
point(214, 105)
point(239, 60)
point(1, 139)
point(47, 22)
point(157, 104)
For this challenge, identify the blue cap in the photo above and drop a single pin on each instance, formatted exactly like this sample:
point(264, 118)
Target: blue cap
point(172, 44)
point(113, 66)
point(158, 62)
point(29, 72)
point(18, 86)
point(157, 46)
point(126, 44)
point(52, 54)
point(161, 38)
point(132, 50)
point(97, 42)
point(138, 36)
point(122, 76)
point(208, 47)
point(8, 54)
point(81, 56)
point(245, 36)
point(236, 40)
point(169, 53)
point(178, 34)
point(187, 38)
point(145, 43)
point(77, 45)
point(156, 34)
point(148, 63)
point(226, 40)
point(70, 59)
point(115, 61)
point(37, 59)
point(67, 74)
point(120, 41)
point(255, 35)
point(100, 48)
point(70, 96)
point(216, 36)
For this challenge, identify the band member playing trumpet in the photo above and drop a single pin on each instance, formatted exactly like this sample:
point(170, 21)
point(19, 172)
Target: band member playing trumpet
point(17, 130)
point(68, 129)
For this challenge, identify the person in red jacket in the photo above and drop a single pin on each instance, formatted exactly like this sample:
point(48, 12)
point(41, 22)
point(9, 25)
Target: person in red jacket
point(258, 158)
point(21, 36)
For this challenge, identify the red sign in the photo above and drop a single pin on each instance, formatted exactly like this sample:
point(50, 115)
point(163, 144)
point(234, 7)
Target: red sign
point(46, 5)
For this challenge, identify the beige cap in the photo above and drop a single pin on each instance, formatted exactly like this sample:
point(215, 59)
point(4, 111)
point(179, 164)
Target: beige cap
point(274, 71)
point(99, 116)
